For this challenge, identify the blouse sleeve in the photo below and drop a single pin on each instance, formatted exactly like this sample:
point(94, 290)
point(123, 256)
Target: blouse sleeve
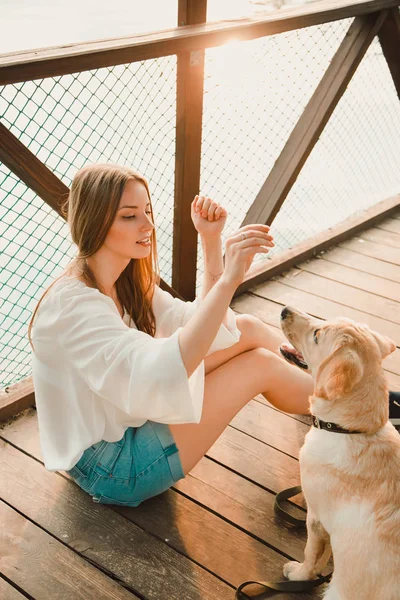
point(172, 313)
point(141, 375)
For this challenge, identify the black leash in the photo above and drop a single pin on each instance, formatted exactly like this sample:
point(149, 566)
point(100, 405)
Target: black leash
point(283, 586)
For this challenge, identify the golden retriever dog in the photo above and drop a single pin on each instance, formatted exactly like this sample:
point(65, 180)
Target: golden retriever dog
point(350, 460)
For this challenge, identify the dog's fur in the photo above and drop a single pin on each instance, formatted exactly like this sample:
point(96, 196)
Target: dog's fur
point(351, 482)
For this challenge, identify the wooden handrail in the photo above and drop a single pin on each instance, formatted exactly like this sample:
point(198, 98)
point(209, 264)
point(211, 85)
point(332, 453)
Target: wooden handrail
point(72, 58)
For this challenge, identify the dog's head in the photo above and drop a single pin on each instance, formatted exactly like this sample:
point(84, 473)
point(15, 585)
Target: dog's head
point(345, 358)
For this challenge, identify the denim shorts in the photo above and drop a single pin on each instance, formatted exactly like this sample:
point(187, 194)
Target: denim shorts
point(144, 463)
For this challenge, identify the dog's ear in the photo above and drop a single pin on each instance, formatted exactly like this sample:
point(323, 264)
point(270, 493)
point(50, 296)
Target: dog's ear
point(385, 345)
point(338, 374)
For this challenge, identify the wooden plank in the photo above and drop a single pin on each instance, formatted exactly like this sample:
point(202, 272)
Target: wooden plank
point(275, 290)
point(44, 568)
point(305, 419)
point(257, 461)
point(367, 248)
point(242, 502)
point(102, 536)
point(353, 277)
point(16, 398)
point(171, 517)
point(390, 225)
point(389, 38)
point(264, 270)
point(8, 592)
point(272, 428)
point(72, 58)
point(31, 170)
point(344, 295)
point(23, 433)
point(189, 118)
point(209, 482)
point(387, 238)
point(393, 380)
point(314, 118)
point(365, 264)
point(269, 311)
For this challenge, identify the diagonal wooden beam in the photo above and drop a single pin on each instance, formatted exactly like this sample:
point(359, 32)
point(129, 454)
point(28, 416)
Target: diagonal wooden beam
point(389, 37)
point(314, 118)
point(21, 161)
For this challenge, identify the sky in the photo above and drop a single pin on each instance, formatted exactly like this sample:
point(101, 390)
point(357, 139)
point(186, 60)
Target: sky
point(28, 24)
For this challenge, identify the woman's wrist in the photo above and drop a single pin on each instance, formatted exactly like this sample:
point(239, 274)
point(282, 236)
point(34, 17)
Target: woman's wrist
point(225, 283)
point(213, 240)
point(213, 260)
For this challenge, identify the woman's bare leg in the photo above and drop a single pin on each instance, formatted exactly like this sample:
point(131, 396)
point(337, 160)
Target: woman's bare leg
point(228, 388)
point(256, 334)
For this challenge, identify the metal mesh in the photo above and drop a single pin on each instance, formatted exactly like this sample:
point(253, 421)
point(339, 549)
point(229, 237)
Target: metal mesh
point(123, 114)
point(35, 245)
point(253, 99)
point(254, 94)
point(354, 164)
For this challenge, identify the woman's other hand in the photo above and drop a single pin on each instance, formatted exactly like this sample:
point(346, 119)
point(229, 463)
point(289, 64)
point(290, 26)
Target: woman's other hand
point(208, 217)
point(241, 247)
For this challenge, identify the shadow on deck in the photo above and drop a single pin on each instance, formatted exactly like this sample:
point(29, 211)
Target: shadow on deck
point(216, 528)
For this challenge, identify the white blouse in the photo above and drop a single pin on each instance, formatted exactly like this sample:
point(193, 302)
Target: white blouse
point(95, 374)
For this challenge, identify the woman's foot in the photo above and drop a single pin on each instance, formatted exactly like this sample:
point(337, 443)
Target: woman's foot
point(394, 409)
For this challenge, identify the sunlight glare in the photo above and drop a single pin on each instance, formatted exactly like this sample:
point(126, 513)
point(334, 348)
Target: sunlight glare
point(233, 67)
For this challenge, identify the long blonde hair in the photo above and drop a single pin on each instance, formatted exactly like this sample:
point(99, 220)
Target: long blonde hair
point(90, 210)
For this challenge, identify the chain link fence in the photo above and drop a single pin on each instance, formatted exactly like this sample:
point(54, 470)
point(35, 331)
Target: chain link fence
point(254, 94)
point(123, 114)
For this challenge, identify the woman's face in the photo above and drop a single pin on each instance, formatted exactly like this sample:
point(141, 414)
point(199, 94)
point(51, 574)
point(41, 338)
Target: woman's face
point(130, 233)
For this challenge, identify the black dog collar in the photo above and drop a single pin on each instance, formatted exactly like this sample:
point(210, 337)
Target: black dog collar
point(330, 426)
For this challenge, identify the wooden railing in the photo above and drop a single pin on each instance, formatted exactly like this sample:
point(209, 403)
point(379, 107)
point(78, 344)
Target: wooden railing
point(188, 42)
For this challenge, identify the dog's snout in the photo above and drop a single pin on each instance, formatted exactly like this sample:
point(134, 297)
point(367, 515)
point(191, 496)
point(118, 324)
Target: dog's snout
point(285, 313)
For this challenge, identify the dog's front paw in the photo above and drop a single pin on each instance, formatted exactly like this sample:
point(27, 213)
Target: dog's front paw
point(296, 572)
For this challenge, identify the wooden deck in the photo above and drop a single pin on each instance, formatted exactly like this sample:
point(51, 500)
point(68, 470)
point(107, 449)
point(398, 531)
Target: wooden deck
point(216, 528)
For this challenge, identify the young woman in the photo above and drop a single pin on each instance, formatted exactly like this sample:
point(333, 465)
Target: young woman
point(133, 386)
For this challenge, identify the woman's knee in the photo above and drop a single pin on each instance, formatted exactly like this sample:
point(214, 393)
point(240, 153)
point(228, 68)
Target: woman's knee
point(260, 357)
point(249, 326)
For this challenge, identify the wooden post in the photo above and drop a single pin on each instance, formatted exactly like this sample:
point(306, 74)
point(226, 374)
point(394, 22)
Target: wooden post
point(189, 113)
point(389, 37)
point(314, 118)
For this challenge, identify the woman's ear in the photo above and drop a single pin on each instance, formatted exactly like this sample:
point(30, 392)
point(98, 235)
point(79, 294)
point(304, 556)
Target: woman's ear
point(338, 374)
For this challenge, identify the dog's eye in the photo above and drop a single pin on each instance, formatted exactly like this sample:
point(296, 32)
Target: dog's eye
point(315, 336)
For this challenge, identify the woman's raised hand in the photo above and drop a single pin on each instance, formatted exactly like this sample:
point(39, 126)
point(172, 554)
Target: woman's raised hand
point(208, 217)
point(240, 249)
